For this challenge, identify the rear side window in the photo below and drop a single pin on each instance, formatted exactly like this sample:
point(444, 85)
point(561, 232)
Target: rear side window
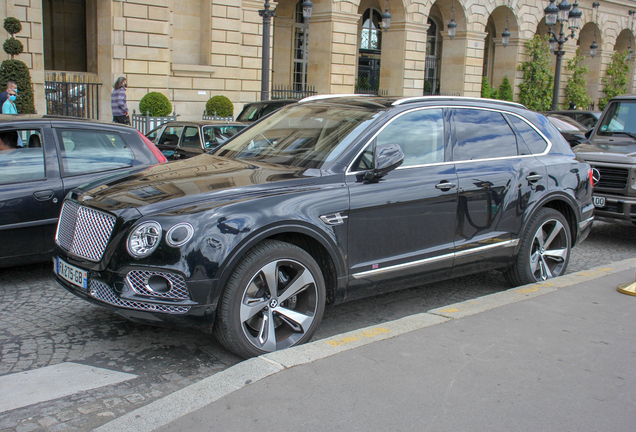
point(84, 151)
point(24, 163)
point(482, 134)
point(190, 138)
point(531, 137)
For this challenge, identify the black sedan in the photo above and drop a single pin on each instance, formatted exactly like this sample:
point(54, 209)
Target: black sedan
point(184, 139)
point(324, 201)
point(55, 155)
point(572, 131)
point(587, 118)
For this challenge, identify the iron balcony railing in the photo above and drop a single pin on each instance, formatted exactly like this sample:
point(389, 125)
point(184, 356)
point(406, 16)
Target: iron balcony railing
point(287, 92)
point(73, 99)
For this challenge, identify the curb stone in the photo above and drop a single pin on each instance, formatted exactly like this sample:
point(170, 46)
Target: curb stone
point(204, 392)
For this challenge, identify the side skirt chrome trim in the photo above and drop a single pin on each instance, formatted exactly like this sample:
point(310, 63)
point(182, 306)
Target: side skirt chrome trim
point(377, 272)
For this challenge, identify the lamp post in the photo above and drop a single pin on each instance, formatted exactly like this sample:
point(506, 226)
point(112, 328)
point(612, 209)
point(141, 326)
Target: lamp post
point(594, 46)
point(561, 14)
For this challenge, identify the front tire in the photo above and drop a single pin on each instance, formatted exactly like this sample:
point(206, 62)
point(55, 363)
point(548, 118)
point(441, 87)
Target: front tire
point(274, 299)
point(545, 249)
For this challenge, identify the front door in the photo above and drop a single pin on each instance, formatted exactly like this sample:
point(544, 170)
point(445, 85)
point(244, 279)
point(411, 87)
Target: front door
point(402, 225)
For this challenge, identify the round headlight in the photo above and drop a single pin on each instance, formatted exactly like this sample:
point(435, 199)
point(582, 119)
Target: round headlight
point(144, 239)
point(179, 234)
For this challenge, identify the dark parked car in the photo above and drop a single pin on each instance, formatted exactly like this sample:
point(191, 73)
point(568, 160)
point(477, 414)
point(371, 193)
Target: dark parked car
point(572, 131)
point(612, 154)
point(256, 110)
point(184, 139)
point(325, 201)
point(58, 154)
point(586, 118)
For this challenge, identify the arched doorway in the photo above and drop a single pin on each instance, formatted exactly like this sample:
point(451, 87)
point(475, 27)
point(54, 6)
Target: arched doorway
point(369, 52)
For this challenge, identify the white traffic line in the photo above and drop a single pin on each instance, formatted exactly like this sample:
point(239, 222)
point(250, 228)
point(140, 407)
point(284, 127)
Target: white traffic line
point(51, 382)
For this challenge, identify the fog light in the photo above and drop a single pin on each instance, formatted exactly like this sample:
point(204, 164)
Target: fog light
point(158, 284)
point(179, 234)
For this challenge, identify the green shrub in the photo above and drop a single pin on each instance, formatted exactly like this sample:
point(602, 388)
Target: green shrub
point(220, 105)
point(13, 47)
point(157, 104)
point(617, 78)
point(16, 70)
point(535, 91)
point(505, 89)
point(576, 89)
point(12, 25)
point(486, 90)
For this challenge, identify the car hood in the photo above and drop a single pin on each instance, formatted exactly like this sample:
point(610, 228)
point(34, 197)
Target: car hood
point(187, 182)
point(623, 151)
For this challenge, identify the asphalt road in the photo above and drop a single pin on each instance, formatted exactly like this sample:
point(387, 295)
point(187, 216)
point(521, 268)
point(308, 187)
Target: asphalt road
point(42, 325)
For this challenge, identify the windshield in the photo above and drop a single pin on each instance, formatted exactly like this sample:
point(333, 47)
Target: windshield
point(306, 135)
point(214, 136)
point(565, 124)
point(620, 118)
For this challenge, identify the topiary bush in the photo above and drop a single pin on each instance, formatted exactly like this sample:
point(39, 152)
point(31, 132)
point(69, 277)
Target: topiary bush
point(505, 89)
point(220, 105)
point(16, 70)
point(157, 104)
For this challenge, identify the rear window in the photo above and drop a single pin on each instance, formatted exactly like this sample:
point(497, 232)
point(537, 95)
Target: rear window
point(84, 151)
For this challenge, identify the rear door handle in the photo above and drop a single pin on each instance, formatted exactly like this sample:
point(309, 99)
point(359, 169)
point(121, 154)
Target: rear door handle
point(534, 177)
point(445, 186)
point(43, 195)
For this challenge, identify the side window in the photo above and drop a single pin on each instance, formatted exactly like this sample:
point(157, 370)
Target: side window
point(482, 134)
point(419, 133)
point(531, 137)
point(86, 151)
point(24, 160)
point(190, 138)
point(170, 136)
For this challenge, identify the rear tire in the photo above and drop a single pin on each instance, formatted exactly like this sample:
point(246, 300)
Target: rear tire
point(545, 249)
point(274, 299)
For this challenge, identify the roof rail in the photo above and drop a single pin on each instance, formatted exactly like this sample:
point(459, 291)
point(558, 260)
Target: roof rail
point(329, 96)
point(461, 98)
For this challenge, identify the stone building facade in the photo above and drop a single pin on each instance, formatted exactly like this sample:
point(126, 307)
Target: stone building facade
point(191, 50)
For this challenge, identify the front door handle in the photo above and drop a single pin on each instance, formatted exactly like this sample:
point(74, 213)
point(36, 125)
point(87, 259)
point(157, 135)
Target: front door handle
point(445, 185)
point(534, 177)
point(43, 195)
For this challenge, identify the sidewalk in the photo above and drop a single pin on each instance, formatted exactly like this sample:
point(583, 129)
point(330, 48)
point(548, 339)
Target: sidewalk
point(564, 359)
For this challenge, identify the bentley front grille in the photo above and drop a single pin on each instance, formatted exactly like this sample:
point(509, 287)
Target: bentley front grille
point(83, 231)
point(103, 292)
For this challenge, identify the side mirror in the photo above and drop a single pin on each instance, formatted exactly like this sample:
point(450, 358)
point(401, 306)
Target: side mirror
point(387, 158)
point(589, 132)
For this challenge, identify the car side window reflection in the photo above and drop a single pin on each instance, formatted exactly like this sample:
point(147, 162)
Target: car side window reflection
point(482, 134)
point(190, 138)
point(531, 137)
point(85, 151)
point(170, 136)
point(24, 163)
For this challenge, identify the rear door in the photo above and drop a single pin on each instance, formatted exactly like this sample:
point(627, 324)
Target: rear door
point(190, 143)
point(497, 181)
point(31, 195)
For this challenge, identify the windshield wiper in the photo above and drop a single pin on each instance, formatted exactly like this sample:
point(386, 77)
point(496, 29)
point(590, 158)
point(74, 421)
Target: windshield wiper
point(629, 134)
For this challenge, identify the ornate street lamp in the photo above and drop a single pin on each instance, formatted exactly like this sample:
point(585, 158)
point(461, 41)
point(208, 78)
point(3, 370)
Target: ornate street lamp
point(594, 46)
point(564, 13)
point(452, 25)
point(505, 36)
point(267, 15)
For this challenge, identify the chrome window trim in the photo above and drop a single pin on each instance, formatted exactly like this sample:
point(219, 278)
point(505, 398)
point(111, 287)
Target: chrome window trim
point(545, 152)
point(457, 98)
point(503, 244)
point(331, 96)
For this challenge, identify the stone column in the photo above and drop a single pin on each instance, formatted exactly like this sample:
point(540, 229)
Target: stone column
point(333, 49)
point(283, 51)
point(462, 63)
point(403, 59)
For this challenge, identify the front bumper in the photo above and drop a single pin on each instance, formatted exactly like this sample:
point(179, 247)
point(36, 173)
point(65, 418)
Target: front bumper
point(187, 303)
point(618, 209)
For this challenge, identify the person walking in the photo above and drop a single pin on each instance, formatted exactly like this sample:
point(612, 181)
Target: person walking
point(8, 107)
point(118, 102)
point(4, 95)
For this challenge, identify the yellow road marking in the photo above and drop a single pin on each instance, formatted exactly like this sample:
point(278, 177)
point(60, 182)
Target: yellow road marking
point(365, 334)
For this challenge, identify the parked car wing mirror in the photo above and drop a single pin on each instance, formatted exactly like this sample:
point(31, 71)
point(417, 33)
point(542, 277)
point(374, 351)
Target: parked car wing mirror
point(588, 133)
point(387, 158)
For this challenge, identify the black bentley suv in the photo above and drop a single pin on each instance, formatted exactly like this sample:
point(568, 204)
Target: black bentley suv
point(328, 200)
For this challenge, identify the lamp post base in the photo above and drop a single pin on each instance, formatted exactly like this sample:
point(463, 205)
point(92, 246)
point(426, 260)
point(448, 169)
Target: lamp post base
point(629, 289)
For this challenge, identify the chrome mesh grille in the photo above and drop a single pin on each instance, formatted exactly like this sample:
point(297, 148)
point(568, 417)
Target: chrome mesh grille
point(84, 231)
point(103, 292)
point(137, 281)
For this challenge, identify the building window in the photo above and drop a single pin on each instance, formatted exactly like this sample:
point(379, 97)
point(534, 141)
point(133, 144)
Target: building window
point(433, 51)
point(371, 35)
point(301, 49)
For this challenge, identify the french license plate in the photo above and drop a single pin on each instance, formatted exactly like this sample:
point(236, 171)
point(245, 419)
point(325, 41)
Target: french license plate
point(599, 201)
point(71, 273)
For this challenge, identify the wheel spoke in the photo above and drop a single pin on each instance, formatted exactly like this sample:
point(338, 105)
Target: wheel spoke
point(556, 254)
point(270, 273)
point(251, 307)
point(555, 232)
point(539, 237)
point(267, 333)
point(302, 280)
point(299, 322)
point(545, 270)
point(534, 262)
